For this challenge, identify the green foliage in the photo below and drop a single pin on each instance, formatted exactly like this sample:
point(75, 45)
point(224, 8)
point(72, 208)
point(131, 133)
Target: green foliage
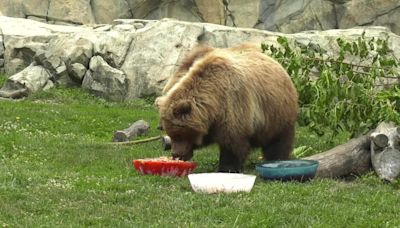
point(308, 142)
point(339, 90)
point(302, 151)
point(3, 79)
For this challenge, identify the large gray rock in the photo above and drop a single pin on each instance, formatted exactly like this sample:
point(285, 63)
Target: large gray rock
point(19, 52)
point(21, 39)
point(293, 16)
point(114, 45)
point(77, 72)
point(11, 8)
point(212, 11)
point(105, 11)
point(25, 9)
point(60, 46)
point(243, 13)
point(373, 12)
point(105, 81)
point(152, 60)
point(70, 11)
point(31, 79)
point(35, 9)
point(31, 28)
point(180, 9)
point(72, 48)
point(55, 66)
point(142, 8)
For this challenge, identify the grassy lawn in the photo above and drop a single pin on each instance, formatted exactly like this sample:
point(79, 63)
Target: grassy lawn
point(56, 169)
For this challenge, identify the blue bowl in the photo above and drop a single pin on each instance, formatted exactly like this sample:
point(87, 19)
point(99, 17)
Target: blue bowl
point(301, 170)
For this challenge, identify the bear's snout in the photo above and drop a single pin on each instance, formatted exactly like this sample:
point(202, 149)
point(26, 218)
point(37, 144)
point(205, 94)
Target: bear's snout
point(182, 150)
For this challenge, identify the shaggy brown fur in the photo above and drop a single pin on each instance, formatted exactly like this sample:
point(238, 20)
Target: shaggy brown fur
point(198, 52)
point(187, 62)
point(238, 98)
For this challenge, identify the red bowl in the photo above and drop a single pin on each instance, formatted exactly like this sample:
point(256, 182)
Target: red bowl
point(164, 167)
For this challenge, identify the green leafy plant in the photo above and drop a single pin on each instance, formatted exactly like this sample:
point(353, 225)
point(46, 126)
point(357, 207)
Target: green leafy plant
point(343, 90)
point(3, 79)
point(303, 151)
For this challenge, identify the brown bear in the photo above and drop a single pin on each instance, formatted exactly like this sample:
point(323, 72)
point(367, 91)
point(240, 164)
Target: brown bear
point(236, 97)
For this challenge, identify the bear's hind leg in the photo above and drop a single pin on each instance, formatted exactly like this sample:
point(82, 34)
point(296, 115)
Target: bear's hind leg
point(231, 158)
point(281, 146)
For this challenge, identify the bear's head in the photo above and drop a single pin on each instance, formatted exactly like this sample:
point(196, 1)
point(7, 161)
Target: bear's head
point(182, 121)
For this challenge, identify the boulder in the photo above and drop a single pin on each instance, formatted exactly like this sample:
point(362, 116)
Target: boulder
point(33, 9)
point(55, 66)
point(12, 8)
point(31, 79)
point(105, 81)
point(114, 45)
point(19, 27)
point(151, 60)
point(142, 8)
point(212, 11)
point(105, 11)
point(361, 13)
point(70, 11)
point(48, 60)
point(22, 39)
point(72, 48)
point(242, 13)
point(294, 16)
point(77, 72)
point(19, 52)
point(182, 10)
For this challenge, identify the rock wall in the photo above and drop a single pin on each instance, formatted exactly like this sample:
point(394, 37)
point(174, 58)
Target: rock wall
point(1, 52)
point(286, 16)
point(128, 58)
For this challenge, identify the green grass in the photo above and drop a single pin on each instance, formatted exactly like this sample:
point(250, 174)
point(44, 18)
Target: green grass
point(56, 169)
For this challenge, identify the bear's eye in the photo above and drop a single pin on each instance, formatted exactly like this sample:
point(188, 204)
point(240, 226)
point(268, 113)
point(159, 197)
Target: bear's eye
point(182, 109)
point(179, 125)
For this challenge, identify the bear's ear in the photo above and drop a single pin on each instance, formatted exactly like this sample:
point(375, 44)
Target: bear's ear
point(158, 102)
point(182, 108)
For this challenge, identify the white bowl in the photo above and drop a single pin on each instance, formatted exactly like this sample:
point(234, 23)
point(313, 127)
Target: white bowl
point(221, 182)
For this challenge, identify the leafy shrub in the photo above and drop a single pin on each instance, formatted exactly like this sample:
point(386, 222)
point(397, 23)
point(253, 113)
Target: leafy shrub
point(341, 90)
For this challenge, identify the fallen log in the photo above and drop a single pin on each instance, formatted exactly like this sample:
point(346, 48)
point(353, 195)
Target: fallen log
point(352, 157)
point(385, 151)
point(138, 128)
